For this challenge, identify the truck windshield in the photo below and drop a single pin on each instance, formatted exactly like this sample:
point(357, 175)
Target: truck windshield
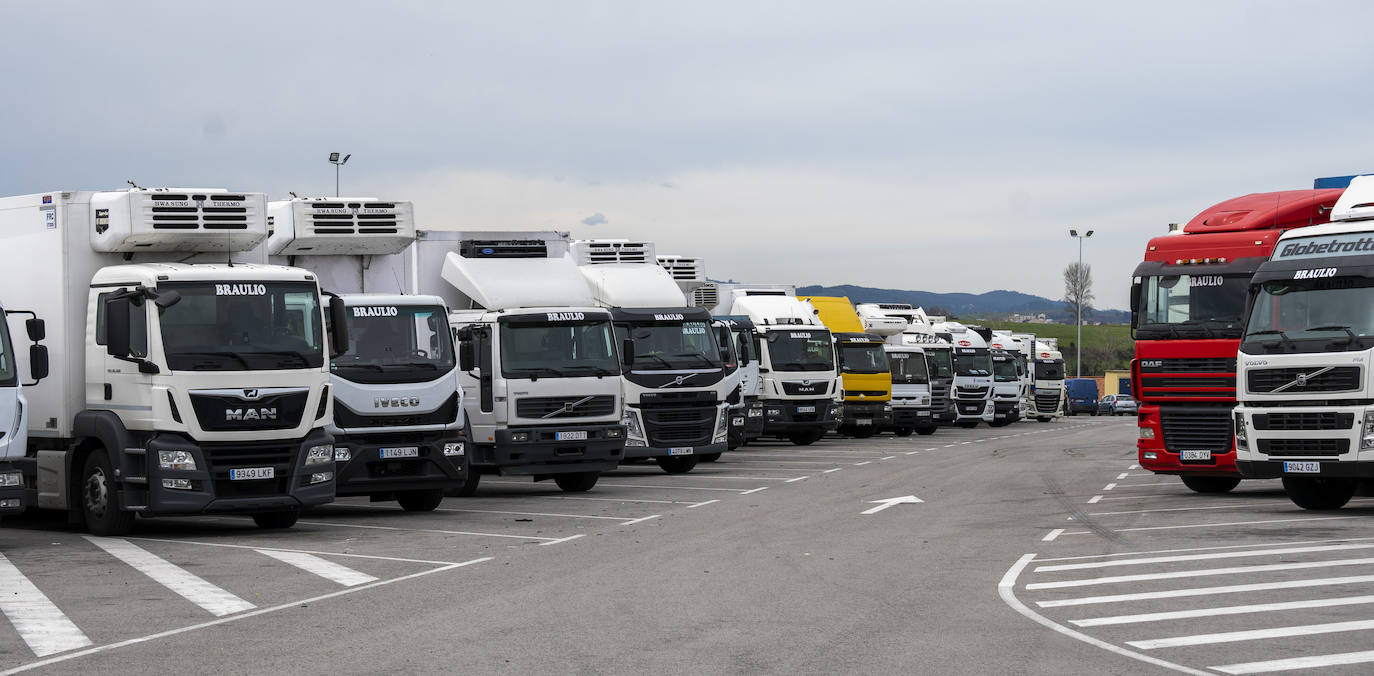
point(863, 358)
point(396, 344)
point(1049, 369)
point(1192, 306)
point(1311, 315)
point(671, 345)
point(558, 349)
point(940, 366)
point(242, 326)
point(908, 368)
point(800, 350)
point(1005, 371)
point(9, 374)
point(975, 362)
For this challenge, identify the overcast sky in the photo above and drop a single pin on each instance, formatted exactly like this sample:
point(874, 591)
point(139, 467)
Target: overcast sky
point(936, 146)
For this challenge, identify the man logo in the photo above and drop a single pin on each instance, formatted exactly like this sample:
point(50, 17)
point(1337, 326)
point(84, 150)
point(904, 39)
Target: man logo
point(247, 414)
point(250, 394)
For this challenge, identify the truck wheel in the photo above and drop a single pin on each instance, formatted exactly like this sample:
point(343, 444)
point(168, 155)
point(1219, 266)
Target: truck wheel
point(926, 431)
point(99, 503)
point(805, 437)
point(276, 520)
point(676, 464)
point(862, 432)
point(420, 501)
point(1319, 493)
point(576, 482)
point(967, 424)
point(1211, 484)
point(471, 477)
point(709, 457)
point(903, 431)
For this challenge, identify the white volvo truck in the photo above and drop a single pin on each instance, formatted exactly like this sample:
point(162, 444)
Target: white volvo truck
point(398, 414)
point(972, 374)
point(14, 407)
point(189, 376)
point(1048, 373)
point(676, 389)
point(540, 366)
point(1306, 362)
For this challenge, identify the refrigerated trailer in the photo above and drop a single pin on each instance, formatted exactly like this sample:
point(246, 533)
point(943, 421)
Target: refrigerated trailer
point(188, 376)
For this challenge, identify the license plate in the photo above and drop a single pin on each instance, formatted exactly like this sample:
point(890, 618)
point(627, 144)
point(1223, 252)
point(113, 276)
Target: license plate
point(1195, 455)
point(682, 450)
point(921, 413)
point(806, 409)
point(756, 413)
point(863, 421)
point(580, 435)
point(737, 420)
point(245, 473)
point(401, 452)
point(1302, 467)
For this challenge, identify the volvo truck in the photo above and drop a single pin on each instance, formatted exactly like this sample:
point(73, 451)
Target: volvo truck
point(189, 377)
point(972, 374)
point(538, 361)
point(1047, 372)
point(1306, 359)
point(1187, 317)
point(865, 378)
point(14, 407)
point(677, 393)
point(398, 414)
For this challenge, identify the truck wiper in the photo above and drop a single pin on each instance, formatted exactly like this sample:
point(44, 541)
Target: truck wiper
point(661, 360)
point(709, 362)
point(597, 370)
point(1283, 337)
point(286, 353)
point(1336, 327)
point(228, 355)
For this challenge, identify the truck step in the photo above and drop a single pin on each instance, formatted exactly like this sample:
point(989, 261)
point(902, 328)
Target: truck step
point(136, 451)
point(136, 480)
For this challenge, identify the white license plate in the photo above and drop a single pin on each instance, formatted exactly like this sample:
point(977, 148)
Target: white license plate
point(921, 413)
point(580, 435)
point(1302, 467)
point(755, 413)
point(244, 473)
point(401, 452)
point(737, 420)
point(863, 421)
point(682, 450)
point(806, 409)
point(1195, 455)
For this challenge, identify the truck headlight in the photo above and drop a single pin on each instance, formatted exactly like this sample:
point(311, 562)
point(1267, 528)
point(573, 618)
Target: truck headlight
point(11, 479)
point(176, 460)
point(321, 477)
point(1241, 432)
point(887, 406)
point(318, 455)
point(454, 448)
point(722, 425)
point(1367, 436)
point(631, 422)
point(614, 432)
point(342, 454)
point(177, 484)
point(1147, 432)
point(519, 437)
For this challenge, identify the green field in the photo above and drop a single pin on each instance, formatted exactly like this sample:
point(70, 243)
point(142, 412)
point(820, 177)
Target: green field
point(1105, 348)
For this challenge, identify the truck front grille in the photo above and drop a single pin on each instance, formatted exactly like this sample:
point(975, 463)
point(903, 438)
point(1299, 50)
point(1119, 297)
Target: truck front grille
point(1305, 379)
point(222, 457)
point(1046, 402)
point(1313, 420)
point(939, 396)
point(347, 418)
point(970, 392)
point(1302, 446)
point(564, 407)
point(222, 413)
point(1189, 365)
point(685, 426)
point(1209, 429)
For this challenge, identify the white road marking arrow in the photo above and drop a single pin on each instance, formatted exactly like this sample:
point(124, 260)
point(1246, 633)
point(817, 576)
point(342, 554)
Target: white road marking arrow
point(884, 504)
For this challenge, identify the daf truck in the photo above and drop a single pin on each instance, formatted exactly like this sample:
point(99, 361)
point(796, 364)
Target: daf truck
point(972, 375)
point(937, 351)
point(1306, 359)
point(540, 368)
point(677, 393)
point(865, 377)
point(189, 377)
point(398, 415)
point(1187, 317)
point(14, 407)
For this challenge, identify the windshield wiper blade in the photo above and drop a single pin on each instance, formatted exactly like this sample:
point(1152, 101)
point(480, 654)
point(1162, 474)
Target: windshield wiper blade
point(305, 361)
point(661, 360)
point(598, 370)
point(709, 362)
point(229, 355)
point(1336, 327)
point(1283, 337)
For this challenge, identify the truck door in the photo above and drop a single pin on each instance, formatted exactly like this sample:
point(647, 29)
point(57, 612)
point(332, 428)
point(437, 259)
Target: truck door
point(123, 389)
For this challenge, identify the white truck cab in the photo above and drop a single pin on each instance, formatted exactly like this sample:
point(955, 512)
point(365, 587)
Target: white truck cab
point(14, 408)
point(972, 374)
point(938, 357)
point(1048, 373)
point(1010, 378)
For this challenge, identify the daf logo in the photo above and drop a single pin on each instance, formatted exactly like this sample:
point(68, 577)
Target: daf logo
point(245, 414)
point(395, 402)
point(1152, 363)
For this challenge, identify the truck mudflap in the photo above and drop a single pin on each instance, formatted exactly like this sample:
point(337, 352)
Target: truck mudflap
point(866, 413)
point(753, 420)
point(14, 497)
point(413, 461)
point(263, 476)
point(781, 416)
point(1324, 469)
point(595, 447)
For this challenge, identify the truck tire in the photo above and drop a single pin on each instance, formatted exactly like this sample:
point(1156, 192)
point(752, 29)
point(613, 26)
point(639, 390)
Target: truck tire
point(967, 424)
point(276, 520)
point(1318, 492)
point(471, 477)
point(99, 501)
point(676, 464)
point(576, 482)
point(805, 437)
point(903, 431)
point(420, 501)
point(1211, 484)
point(709, 457)
point(926, 431)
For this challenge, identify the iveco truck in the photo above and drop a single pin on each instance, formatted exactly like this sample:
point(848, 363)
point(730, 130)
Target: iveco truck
point(1007, 385)
point(189, 377)
point(398, 415)
point(539, 363)
point(972, 375)
point(14, 407)
point(676, 390)
point(1306, 378)
point(865, 378)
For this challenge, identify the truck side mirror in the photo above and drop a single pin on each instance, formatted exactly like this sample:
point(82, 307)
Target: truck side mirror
point(746, 353)
point(117, 339)
point(1135, 303)
point(338, 327)
point(627, 351)
point(467, 355)
point(38, 330)
point(38, 361)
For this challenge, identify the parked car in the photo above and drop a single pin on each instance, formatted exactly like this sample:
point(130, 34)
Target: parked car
point(1082, 395)
point(1117, 404)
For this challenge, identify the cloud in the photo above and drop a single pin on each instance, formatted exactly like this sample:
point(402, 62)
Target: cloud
point(597, 218)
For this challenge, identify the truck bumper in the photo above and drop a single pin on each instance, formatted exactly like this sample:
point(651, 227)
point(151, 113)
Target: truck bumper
point(14, 498)
point(677, 430)
point(1327, 435)
point(440, 462)
point(542, 453)
point(979, 409)
point(1164, 456)
point(865, 414)
point(662, 452)
point(1330, 469)
point(912, 417)
point(1006, 409)
point(781, 416)
point(209, 489)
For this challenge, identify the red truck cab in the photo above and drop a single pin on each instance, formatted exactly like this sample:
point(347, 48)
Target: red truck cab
point(1187, 314)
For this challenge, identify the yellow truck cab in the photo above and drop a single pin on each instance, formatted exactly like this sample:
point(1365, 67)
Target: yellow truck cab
point(865, 377)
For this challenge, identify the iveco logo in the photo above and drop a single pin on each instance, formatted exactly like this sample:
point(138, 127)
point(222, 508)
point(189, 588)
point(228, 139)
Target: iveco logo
point(395, 402)
point(243, 414)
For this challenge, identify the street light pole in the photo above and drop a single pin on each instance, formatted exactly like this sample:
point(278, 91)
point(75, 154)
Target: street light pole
point(334, 160)
point(1078, 301)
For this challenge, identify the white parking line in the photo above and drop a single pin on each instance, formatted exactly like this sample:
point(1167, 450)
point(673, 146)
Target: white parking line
point(42, 625)
point(669, 487)
point(643, 500)
point(1093, 500)
point(1229, 505)
point(214, 600)
point(1109, 487)
point(1202, 557)
point(796, 479)
point(1049, 537)
point(701, 504)
point(1291, 663)
point(1214, 525)
point(912, 452)
point(887, 457)
point(1122, 475)
point(1207, 591)
point(1173, 575)
point(561, 540)
point(741, 477)
point(866, 462)
point(1134, 467)
point(760, 488)
point(423, 530)
point(323, 567)
point(640, 519)
point(1208, 549)
point(1224, 610)
point(832, 469)
point(1253, 634)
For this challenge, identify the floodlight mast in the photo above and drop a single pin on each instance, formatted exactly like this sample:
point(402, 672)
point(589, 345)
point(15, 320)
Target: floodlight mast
point(334, 160)
point(1078, 302)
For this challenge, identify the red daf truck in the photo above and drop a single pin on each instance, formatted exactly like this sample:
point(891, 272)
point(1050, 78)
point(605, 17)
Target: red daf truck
point(1187, 315)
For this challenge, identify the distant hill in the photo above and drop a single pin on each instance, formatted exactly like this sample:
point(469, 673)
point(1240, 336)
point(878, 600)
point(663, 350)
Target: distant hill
point(991, 304)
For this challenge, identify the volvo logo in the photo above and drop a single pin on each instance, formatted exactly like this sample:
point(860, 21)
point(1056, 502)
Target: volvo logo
point(677, 381)
point(395, 402)
point(1302, 380)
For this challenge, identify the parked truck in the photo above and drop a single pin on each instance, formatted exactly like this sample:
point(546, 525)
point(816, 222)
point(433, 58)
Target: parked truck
point(1306, 378)
point(677, 393)
point(1048, 372)
point(865, 378)
point(937, 351)
point(1187, 317)
point(398, 415)
point(14, 407)
point(1006, 384)
point(539, 364)
point(189, 377)
point(972, 374)
point(746, 415)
